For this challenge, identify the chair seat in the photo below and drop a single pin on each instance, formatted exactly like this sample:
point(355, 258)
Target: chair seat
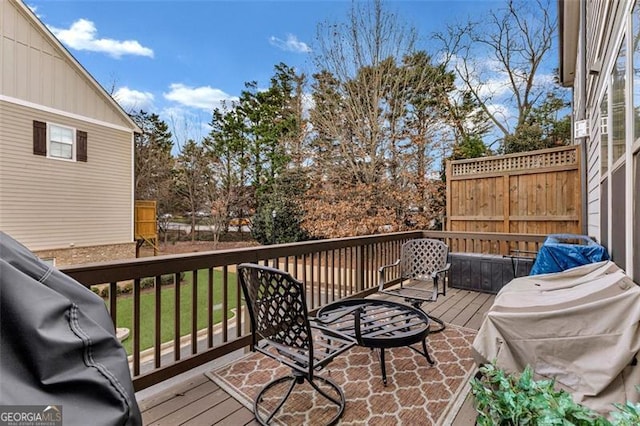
point(413, 290)
point(326, 346)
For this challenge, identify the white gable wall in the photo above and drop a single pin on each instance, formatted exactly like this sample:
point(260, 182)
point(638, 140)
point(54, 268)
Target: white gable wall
point(36, 70)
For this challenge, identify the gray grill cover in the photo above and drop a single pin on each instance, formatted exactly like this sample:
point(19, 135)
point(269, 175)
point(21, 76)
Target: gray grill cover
point(58, 344)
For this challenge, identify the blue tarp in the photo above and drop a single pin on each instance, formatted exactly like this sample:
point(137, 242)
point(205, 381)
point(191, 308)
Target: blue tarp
point(560, 252)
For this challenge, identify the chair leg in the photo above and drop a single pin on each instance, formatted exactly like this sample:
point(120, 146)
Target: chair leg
point(258, 400)
point(383, 367)
point(439, 321)
point(298, 379)
point(426, 352)
point(338, 402)
point(418, 305)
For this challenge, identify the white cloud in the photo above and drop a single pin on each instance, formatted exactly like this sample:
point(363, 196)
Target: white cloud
point(495, 87)
point(34, 9)
point(82, 35)
point(203, 97)
point(504, 112)
point(133, 100)
point(291, 44)
point(546, 79)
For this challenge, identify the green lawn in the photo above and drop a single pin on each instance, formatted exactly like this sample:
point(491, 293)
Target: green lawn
point(147, 308)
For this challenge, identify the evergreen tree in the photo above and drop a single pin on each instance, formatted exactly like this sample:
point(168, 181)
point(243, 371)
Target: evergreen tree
point(153, 161)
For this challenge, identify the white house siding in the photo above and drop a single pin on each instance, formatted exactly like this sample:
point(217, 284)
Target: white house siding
point(593, 178)
point(48, 203)
point(39, 71)
point(603, 22)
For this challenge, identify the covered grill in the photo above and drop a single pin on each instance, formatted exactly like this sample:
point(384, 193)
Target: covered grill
point(560, 252)
point(58, 345)
point(580, 327)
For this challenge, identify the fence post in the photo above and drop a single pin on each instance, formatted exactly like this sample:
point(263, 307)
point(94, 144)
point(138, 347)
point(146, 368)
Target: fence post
point(506, 211)
point(447, 222)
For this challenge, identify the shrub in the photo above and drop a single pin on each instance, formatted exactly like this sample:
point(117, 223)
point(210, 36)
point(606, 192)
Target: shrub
point(508, 399)
point(168, 279)
point(126, 289)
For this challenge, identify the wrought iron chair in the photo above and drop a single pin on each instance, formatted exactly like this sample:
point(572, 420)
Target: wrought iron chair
point(423, 266)
point(281, 329)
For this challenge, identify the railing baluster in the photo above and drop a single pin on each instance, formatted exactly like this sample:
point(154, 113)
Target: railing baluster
point(238, 301)
point(176, 319)
point(333, 275)
point(136, 327)
point(157, 345)
point(359, 284)
point(194, 311)
point(347, 262)
point(304, 277)
point(225, 303)
point(313, 283)
point(352, 272)
point(113, 301)
point(210, 308)
point(373, 261)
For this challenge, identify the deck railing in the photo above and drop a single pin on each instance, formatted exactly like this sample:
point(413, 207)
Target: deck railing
point(330, 269)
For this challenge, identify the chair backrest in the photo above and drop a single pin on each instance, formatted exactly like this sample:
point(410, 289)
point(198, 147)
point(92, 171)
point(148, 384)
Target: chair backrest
point(421, 257)
point(277, 306)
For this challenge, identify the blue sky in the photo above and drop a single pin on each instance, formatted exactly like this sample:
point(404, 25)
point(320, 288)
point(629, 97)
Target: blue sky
point(181, 58)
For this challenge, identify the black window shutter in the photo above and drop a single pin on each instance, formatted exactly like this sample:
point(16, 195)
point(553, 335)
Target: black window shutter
point(39, 138)
point(81, 141)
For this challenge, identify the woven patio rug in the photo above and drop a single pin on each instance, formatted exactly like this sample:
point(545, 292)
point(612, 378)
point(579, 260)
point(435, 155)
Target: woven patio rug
point(417, 393)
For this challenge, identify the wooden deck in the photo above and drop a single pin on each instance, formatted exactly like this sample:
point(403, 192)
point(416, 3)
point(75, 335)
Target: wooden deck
point(199, 401)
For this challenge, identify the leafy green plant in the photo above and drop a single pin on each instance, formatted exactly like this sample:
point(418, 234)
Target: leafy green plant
point(627, 414)
point(507, 399)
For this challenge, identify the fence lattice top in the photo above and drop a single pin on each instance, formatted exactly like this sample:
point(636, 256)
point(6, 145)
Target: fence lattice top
point(555, 157)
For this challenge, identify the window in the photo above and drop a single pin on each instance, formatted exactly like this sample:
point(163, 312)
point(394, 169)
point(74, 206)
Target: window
point(604, 135)
point(61, 142)
point(56, 141)
point(636, 218)
point(618, 103)
point(635, 14)
point(618, 218)
point(51, 261)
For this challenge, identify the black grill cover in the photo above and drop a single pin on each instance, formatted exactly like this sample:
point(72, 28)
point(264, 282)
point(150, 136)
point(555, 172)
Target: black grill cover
point(58, 344)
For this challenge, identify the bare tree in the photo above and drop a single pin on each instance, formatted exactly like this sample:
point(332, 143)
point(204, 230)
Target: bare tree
point(359, 89)
point(191, 174)
point(499, 60)
point(379, 113)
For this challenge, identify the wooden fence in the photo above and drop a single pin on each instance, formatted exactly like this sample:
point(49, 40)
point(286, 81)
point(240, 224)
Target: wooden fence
point(535, 192)
point(145, 225)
